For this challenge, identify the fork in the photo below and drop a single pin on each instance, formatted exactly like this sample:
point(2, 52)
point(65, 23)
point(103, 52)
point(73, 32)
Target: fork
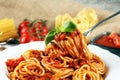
point(102, 21)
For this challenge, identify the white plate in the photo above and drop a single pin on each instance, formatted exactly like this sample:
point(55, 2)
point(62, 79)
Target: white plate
point(112, 61)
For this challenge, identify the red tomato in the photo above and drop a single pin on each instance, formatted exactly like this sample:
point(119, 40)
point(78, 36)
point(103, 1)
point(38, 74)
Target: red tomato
point(23, 30)
point(39, 24)
point(26, 34)
point(33, 31)
point(24, 39)
point(23, 24)
point(44, 31)
point(34, 39)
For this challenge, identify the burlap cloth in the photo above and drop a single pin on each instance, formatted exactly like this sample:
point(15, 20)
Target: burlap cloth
point(48, 9)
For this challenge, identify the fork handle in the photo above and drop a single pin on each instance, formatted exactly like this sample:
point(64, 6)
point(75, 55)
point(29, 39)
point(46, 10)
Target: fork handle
point(104, 20)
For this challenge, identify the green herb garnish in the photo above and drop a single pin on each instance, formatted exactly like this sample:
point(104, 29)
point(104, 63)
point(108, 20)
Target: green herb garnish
point(67, 26)
point(50, 36)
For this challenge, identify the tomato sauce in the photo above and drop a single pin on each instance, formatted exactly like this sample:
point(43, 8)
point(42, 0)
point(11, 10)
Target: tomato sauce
point(104, 41)
point(112, 40)
point(12, 63)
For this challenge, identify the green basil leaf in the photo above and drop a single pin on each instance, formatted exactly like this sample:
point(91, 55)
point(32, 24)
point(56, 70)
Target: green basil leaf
point(68, 26)
point(50, 36)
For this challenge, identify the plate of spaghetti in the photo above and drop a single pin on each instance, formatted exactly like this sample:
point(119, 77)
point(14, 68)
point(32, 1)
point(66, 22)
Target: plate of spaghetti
point(66, 57)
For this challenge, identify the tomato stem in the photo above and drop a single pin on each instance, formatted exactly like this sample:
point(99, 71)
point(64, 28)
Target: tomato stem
point(43, 22)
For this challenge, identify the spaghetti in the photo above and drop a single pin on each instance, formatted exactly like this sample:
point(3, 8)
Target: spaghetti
point(67, 57)
point(26, 69)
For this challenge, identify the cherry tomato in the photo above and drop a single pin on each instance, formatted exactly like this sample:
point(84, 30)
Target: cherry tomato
point(39, 24)
point(24, 39)
point(23, 30)
point(44, 31)
point(33, 30)
point(36, 30)
point(34, 39)
point(26, 34)
point(23, 24)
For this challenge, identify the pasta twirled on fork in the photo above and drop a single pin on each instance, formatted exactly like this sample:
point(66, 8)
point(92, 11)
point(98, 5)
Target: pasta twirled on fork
point(67, 57)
